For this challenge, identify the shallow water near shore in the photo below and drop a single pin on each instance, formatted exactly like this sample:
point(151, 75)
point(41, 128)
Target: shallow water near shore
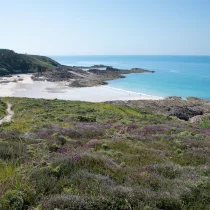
point(183, 76)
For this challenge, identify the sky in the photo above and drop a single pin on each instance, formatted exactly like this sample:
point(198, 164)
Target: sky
point(106, 27)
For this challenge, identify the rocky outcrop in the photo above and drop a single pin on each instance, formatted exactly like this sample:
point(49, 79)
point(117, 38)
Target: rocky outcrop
point(191, 109)
point(86, 83)
point(99, 66)
point(78, 77)
point(199, 118)
point(184, 113)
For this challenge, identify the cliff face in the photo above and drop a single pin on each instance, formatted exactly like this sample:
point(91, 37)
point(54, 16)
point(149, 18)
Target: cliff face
point(13, 63)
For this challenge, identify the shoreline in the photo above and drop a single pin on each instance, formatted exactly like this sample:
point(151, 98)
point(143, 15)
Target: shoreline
point(189, 109)
point(137, 93)
point(23, 86)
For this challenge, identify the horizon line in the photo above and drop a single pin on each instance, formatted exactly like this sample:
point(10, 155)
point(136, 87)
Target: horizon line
point(131, 55)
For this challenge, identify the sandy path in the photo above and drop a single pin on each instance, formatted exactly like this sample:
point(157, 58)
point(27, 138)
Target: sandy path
point(9, 115)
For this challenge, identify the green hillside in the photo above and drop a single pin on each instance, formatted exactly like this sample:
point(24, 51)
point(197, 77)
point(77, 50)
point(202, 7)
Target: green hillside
point(92, 156)
point(13, 63)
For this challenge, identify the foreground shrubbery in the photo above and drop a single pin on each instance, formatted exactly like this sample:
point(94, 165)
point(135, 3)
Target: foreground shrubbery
point(3, 108)
point(77, 155)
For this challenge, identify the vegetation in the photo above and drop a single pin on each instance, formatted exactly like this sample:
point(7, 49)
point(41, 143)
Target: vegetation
point(13, 63)
point(77, 155)
point(3, 108)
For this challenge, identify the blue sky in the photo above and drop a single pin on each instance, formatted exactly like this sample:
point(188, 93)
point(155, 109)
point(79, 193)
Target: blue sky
point(106, 27)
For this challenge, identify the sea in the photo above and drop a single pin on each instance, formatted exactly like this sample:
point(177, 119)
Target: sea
point(184, 76)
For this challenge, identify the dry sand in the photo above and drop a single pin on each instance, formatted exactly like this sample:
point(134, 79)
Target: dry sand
point(24, 86)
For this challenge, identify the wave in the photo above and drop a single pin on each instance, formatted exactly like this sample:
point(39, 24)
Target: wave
point(132, 92)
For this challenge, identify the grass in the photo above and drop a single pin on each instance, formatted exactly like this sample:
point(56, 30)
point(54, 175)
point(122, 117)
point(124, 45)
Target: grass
point(3, 108)
point(204, 124)
point(79, 155)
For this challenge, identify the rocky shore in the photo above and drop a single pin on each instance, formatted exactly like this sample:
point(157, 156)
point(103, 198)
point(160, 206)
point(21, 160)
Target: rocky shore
point(82, 76)
point(10, 78)
point(192, 109)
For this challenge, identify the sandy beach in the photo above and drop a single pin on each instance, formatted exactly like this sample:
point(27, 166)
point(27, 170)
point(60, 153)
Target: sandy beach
point(23, 86)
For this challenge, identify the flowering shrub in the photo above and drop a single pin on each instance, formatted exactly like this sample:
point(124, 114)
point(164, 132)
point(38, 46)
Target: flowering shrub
point(206, 131)
point(85, 130)
point(147, 130)
point(92, 144)
point(44, 134)
point(10, 135)
point(12, 150)
point(77, 155)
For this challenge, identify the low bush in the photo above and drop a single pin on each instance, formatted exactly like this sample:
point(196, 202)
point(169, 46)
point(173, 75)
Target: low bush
point(12, 150)
point(76, 155)
point(12, 200)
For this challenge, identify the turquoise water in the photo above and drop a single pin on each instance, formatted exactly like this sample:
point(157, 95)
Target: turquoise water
point(174, 75)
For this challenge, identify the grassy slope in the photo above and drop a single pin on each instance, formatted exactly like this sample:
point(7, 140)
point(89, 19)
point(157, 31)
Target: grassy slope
point(77, 155)
point(11, 63)
point(3, 108)
point(43, 61)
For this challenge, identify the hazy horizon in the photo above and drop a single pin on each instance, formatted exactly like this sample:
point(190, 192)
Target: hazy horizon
point(117, 27)
point(192, 55)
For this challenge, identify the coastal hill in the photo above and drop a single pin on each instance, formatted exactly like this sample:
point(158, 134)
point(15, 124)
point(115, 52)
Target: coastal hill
point(13, 63)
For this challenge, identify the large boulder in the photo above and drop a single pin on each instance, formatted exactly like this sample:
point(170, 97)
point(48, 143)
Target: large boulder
point(199, 118)
point(184, 113)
